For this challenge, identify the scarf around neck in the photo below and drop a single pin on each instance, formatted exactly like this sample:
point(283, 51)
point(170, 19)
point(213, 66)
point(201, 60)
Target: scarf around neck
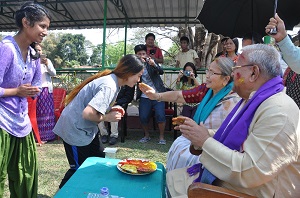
point(233, 133)
point(208, 104)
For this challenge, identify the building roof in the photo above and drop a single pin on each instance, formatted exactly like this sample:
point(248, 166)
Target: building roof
point(82, 14)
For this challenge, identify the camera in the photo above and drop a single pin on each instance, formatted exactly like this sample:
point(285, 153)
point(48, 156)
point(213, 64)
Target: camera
point(187, 73)
point(147, 59)
point(152, 51)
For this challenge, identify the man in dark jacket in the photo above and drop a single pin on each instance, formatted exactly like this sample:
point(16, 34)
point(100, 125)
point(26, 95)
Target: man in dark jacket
point(151, 77)
point(124, 97)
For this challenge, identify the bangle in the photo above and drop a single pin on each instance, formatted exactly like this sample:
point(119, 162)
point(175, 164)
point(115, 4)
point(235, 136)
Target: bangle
point(159, 97)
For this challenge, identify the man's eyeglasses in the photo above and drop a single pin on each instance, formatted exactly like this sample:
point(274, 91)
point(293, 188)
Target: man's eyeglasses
point(210, 73)
point(240, 66)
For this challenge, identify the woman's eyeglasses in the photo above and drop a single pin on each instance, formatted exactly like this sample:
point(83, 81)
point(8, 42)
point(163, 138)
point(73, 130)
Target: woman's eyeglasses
point(210, 73)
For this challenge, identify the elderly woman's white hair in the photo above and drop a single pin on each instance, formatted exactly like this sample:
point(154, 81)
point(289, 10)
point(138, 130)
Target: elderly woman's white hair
point(225, 64)
point(266, 57)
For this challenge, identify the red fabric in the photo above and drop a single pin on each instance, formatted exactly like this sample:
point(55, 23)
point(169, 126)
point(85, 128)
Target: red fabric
point(59, 95)
point(158, 52)
point(195, 95)
point(32, 117)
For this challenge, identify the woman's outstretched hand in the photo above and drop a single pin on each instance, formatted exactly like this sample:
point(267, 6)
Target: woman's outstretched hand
point(148, 91)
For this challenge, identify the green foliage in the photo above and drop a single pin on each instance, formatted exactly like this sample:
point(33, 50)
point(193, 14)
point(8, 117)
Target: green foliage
point(96, 56)
point(114, 52)
point(169, 58)
point(50, 48)
point(71, 47)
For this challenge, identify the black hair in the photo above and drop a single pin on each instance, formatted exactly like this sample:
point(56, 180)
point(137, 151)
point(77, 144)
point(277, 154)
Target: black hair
point(255, 37)
point(33, 13)
point(184, 38)
point(236, 43)
point(184, 78)
point(140, 47)
point(148, 35)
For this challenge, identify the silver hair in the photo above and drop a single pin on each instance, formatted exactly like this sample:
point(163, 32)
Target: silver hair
point(225, 64)
point(265, 56)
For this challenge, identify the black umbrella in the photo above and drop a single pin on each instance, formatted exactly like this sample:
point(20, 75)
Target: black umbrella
point(235, 18)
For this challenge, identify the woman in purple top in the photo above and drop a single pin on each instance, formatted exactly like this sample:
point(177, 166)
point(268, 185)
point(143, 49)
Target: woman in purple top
point(20, 77)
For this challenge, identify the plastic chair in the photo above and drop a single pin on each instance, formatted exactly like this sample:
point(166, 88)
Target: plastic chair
point(33, 120)
point(202, 190)
point(59, 95)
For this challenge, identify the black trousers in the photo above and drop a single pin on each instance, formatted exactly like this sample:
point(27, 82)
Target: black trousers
point(77, 154)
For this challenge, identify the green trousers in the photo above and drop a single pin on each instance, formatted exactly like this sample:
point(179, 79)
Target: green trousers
point(18, 160)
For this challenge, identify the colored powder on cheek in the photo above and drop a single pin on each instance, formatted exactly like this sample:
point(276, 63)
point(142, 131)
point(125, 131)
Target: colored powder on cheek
point(238, 77)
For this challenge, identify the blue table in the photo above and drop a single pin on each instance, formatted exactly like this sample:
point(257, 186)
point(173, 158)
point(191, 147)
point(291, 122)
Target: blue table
point(97, 172)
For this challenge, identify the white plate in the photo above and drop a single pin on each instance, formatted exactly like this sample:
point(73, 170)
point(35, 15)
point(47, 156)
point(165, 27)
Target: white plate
point(146, 173)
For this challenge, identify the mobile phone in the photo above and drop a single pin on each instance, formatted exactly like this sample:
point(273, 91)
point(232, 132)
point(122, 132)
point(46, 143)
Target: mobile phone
point(43, 56)
point(274, 30)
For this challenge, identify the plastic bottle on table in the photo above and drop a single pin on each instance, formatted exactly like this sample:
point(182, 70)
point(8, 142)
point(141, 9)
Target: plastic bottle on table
point(104, 193)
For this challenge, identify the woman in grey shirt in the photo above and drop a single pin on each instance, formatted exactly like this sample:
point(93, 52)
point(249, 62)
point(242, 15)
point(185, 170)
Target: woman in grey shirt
point(90, 103)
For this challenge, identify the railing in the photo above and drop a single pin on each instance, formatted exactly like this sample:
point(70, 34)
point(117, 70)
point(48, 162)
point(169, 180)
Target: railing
point(68, 78)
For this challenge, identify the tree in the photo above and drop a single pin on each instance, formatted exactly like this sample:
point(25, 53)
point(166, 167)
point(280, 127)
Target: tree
point(114, 52)
point(96, 57)
point(50, 48)
point(71, 47)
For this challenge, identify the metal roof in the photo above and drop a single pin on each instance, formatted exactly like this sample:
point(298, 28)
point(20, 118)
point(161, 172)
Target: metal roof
point(81, 14)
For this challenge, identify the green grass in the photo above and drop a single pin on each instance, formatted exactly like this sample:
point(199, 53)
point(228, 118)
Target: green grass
point(53, 162)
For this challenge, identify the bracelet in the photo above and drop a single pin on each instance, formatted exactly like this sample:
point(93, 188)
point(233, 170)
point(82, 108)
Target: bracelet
point(159, 97)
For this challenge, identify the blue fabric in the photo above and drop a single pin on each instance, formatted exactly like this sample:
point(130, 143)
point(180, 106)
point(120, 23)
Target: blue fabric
point(145, 110)
point(75, 157)
point(208, 103)
point(96, 172)
point(234, 134)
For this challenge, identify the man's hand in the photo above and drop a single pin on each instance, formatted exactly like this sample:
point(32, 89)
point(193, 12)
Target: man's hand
point(197, 134)
point(276, 22)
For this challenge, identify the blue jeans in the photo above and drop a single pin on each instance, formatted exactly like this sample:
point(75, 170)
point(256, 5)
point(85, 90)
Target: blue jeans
point(145, 110)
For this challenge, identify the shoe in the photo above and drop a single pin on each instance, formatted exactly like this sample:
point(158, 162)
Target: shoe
point(113, 140)
point(163, 142)
point(104, 139)
point(144, 140)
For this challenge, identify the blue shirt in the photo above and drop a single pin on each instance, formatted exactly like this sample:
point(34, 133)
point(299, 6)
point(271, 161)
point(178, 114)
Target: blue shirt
point(290, 53)
point(13, 73)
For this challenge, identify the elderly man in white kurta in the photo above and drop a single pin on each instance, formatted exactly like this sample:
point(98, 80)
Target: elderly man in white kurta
point(256, 149)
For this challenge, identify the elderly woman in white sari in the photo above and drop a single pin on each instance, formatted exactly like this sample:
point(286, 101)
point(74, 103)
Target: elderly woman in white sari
point(216, 101)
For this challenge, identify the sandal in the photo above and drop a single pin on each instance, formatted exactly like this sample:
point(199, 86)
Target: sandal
point(144, 140)
point(163, 142)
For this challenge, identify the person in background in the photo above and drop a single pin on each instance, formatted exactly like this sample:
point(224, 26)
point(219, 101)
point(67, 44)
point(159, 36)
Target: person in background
point(216, 101)
point(124, 97)
point(151, 77)
point(251, 38)
point(90, 103)
point(256, 149)
point(255, 38)
point(186, 54)
point(152, 50)
point(290, 53)
point(20, 77)
point(45, 104)
point(232, 46)
point(187, 79)
point(223, 43)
